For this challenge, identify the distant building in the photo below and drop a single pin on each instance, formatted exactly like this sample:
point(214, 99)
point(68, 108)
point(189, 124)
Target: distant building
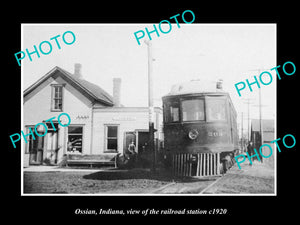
point(99, 123)
point(268, 136)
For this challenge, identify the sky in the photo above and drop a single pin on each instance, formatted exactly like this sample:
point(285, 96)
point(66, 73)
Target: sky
point(232, 52)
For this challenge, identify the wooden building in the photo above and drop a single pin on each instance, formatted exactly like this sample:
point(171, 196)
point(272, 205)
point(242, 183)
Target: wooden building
point(268, 136)
point(100, 125)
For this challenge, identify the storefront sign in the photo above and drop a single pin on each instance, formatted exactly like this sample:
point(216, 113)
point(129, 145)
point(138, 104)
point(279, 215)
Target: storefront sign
point(124, 118)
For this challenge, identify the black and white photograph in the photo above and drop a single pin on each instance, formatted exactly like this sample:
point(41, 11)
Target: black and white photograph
point(170, 112)
point(129, 109)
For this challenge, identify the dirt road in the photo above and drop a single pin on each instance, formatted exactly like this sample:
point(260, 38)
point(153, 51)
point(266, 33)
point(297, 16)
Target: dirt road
point(257, 179)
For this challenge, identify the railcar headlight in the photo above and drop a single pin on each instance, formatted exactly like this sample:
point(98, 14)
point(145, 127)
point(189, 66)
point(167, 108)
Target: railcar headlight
point(193, 134)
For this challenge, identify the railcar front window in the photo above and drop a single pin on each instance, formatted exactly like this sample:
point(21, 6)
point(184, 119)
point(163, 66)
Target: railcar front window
point(216, 109)
point(192, 110)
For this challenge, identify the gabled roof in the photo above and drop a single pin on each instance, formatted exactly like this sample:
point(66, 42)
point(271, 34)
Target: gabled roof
point(92, 91)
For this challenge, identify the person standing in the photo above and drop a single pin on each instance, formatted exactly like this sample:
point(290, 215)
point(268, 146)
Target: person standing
point(250, 150)
point(132, 152)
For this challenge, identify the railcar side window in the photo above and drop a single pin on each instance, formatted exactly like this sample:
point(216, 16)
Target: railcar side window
point(193, 110)
point(216, 109)
point(172, 112)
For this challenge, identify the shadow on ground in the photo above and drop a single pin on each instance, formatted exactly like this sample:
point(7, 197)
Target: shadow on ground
point(160, 175)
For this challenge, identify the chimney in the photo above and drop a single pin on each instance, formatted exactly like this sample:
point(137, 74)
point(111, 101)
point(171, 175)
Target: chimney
point(219, 85)
point(77, 70)
point(117, 91)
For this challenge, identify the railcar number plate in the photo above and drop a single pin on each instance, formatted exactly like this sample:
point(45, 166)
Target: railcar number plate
point(215, 134)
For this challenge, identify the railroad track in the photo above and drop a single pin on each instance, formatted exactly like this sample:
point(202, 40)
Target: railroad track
point(209, 186)
point(197, 186)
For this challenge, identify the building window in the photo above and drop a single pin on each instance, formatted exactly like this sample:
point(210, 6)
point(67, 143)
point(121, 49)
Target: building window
point(57, 98)
point(111, 138)
point(75, 134)
point(31, 143)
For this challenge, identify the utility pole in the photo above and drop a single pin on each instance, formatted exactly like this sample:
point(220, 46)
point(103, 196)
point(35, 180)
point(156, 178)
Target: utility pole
point(261, 128)
point(260, 124)
point(260, 121)
point(260, 114)
point(150, 105)
point(248, 101)
point(242, 142)
point(249, 132)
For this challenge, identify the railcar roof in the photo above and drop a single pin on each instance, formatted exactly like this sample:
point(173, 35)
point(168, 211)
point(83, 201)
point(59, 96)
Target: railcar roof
point(195, 87)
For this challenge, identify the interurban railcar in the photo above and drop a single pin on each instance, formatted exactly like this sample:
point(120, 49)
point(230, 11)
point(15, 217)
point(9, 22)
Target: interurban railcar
point(200, 129)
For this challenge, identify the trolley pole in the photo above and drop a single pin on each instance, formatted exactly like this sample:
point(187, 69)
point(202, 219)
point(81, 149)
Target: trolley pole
point(151, 107)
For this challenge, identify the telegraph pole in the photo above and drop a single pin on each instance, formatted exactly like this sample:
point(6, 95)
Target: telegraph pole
point(260, 112)
point(260, 124)
point(150, 105)
point(242, 142)
point(260, 121)
point(248, 101)
point(261, 128)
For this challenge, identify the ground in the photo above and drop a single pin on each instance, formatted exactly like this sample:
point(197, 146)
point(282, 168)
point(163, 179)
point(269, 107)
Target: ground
point(256, 179)
point(87, 182)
